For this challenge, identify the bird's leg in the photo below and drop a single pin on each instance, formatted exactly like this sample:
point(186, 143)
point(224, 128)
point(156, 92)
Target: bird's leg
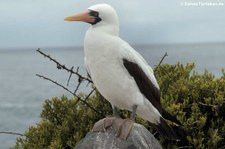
point(133, 114)
point(104, 129)
point(115, 111)
point(120, 127)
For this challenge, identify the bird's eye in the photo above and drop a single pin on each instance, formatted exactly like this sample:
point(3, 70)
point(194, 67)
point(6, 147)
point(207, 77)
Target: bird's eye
point(93, 13)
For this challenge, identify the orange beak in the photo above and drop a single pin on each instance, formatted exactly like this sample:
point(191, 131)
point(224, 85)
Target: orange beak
point(81, 16)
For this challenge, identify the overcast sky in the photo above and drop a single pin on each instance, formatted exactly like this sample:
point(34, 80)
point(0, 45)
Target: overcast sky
point(39, 23)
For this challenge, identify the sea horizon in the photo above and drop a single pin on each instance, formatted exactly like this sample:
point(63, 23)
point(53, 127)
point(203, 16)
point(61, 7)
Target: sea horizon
point(20, 48)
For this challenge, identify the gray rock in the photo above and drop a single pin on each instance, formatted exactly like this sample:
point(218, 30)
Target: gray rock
point(139, 138)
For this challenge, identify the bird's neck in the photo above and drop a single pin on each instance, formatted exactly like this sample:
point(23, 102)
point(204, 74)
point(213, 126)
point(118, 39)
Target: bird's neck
point(107, 29)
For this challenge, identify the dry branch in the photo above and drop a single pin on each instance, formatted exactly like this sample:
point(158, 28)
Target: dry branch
point(11, 133)
point(160, 62)
point(71, 71)
point(74, 94)
point(60, 66)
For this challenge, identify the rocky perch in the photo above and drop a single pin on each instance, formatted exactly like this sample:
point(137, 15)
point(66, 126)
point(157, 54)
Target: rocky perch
point(116, 133)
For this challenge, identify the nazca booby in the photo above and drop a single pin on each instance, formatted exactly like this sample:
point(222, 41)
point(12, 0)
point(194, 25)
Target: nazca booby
point(119, 72)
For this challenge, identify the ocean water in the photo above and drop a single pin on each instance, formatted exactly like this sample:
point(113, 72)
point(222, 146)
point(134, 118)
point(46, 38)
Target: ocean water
point(22, 93)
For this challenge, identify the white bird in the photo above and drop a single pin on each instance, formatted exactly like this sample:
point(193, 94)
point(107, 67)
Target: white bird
point(119, 72)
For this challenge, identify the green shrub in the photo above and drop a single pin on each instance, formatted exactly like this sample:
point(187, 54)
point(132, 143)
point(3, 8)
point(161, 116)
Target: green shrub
point(197, 101)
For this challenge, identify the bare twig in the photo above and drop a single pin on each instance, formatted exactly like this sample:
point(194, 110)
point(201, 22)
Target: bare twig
point(41, 76)
point(78, 85)
point(161, 60)
point(71, 71)
point(79, 81)
point(60, 66)
point(87, 97)
point(11, 133)
point(70, 76)
point(78, 97)
point(89, 94)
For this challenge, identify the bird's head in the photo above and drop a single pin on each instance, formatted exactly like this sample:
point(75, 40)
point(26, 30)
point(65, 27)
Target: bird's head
point(97, 15)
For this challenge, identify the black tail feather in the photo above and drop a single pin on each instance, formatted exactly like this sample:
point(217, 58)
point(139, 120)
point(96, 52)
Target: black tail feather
point(164, 129)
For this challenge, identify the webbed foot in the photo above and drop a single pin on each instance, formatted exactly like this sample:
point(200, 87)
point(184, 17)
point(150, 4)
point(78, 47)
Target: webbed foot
point(121, 127)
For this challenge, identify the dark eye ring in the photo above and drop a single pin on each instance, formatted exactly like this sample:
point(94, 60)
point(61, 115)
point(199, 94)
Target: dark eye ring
point(93, 13)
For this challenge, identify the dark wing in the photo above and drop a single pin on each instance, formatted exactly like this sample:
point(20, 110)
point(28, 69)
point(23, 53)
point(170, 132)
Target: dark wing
point(147, 88)
point(152, 93)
